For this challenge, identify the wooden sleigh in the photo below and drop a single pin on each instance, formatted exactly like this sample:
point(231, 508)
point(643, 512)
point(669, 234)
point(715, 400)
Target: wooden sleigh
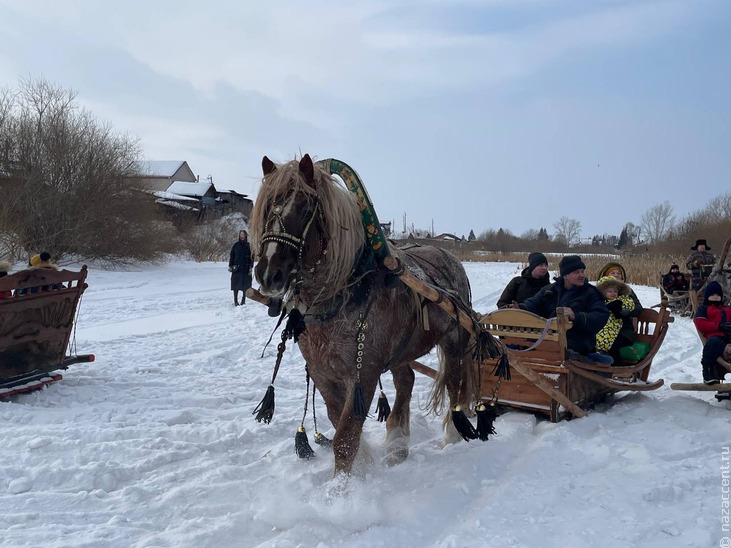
point(545, 377)
point(723, 389)
point(36, 324)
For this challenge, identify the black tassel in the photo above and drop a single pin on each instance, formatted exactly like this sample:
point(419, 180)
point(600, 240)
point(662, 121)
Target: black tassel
point(502, 369)
point(487, 346)
point(359, 409)
point(265, 410)
point(382, 407)
point(486, 415)
point(302, 444)
point(463, 424)
point(321, 439)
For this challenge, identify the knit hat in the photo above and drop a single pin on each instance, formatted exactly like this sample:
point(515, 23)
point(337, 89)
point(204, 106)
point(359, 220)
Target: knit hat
point(700, 242)
point(672, 266)
point(609, 281)
point(535, 259)
point(35, 260)
point(713, 288)
point(569, 264)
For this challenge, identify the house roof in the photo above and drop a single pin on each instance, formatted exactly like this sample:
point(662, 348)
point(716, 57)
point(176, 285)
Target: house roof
point(190, 189)
point(158, 168)
point(171, 196)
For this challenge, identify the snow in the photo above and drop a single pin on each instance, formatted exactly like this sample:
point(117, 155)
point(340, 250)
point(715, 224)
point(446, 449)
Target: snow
point(154, 444)
point(189, 189)
point(158, 168)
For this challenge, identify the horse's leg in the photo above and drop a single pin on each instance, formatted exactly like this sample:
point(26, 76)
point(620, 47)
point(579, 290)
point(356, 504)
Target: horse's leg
point(332, 395)
point(349, 429)
point(397, 424)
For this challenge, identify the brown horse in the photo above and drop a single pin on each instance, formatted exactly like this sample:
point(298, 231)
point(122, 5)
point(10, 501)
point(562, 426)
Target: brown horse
point(307, 233)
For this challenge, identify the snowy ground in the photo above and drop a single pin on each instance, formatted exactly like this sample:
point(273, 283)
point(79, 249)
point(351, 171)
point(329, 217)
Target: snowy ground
point(154, 444)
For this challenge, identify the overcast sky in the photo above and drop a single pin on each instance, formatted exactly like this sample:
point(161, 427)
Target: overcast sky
point(465, 113)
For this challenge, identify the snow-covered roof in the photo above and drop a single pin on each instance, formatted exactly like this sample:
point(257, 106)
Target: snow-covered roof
point(190, 189)
point(171, 196)
point(176, 205)
point(158, 168)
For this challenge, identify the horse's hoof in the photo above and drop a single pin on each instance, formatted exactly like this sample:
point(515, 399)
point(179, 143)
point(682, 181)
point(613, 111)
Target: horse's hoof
point(396, 457)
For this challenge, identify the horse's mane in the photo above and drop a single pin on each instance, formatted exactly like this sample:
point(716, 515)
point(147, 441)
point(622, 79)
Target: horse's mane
point(343, 225)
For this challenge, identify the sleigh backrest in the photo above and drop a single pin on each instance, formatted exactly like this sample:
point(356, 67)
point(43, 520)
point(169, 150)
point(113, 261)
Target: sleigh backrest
point(37, 318)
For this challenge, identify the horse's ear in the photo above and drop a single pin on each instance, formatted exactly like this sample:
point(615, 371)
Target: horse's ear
point(307, 169)
point(267, 166)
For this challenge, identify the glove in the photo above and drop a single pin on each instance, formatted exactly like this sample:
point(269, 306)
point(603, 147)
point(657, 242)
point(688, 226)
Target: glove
point(725, 327)
point(615, 306)
point(697, 263)
point(230, 268)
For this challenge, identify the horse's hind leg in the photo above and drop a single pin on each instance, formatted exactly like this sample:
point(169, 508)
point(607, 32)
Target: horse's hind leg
point(460, 378)
point(397, 424)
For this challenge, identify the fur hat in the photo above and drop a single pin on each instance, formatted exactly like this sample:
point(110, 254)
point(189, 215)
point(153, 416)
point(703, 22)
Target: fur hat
point(609, 281)
point(42, 258)
point(610, 266)
point(713, 288)
point(672, 266)
point(569, 264)
point(5, 267)
point(535, 259)
point(700, 242)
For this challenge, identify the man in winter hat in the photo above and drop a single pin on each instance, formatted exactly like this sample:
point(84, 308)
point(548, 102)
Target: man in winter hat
point(713, 320)
point(531, 280)
point(580, 301)
point(700, 263)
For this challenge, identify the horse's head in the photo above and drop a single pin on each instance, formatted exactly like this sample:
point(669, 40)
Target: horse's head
point(288, 231)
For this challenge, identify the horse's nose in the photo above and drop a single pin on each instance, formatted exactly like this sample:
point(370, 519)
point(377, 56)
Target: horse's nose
point(270, 278)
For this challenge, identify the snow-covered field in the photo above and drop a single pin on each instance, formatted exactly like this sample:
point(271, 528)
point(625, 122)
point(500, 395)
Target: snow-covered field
point(155, 444)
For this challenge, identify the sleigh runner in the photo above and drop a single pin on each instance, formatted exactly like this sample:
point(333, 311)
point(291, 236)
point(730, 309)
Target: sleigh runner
point(36, 325)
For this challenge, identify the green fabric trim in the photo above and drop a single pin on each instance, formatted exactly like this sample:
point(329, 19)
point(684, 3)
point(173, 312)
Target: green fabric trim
point(371, 225)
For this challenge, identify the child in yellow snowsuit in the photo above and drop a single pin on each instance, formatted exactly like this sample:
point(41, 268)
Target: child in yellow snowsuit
point(617, 298)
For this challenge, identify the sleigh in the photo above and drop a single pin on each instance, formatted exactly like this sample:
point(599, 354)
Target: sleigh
point(36, 324)
point(548, 378)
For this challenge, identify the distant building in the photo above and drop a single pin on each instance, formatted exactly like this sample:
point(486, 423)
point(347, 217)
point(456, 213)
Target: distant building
point(185, 196)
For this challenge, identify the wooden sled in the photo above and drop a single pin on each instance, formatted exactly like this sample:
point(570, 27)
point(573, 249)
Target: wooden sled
point(36, 325)
point(543, 379)
point(723, 389)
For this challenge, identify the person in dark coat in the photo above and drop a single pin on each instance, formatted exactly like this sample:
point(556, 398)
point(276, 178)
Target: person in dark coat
point(531, 280)
point(239, 265)
point(713, 320)
point(4, 270)
point(581, 302)
point(700, 263)
point(674, 280)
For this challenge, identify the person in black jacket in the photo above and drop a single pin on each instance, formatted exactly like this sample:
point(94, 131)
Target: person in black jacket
point(581, 302)
point(530, 282)
point(674, 280)
point(239, 265)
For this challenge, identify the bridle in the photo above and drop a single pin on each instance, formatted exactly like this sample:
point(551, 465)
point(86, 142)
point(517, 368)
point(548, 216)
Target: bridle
point(281, 236)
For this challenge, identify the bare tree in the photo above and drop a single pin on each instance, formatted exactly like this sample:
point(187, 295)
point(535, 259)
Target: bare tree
point(719, 208)
point(530, 235)
point(567, 230)
point(65, 183)
point(657, 222)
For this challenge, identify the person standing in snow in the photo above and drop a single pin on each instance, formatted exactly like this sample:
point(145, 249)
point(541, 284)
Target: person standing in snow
point(240, 265)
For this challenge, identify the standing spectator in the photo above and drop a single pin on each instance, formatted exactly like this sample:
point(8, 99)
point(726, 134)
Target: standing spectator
point(700, 263)
point(530, 282)
point(5, 267)
point(713, 320)
point(674, 280)
point(581, 302)
point(239, 265)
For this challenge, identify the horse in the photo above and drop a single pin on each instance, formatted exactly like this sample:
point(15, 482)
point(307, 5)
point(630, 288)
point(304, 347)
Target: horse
point(359, 321)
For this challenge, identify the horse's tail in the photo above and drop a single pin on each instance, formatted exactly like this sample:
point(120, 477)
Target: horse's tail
point(458, 375)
